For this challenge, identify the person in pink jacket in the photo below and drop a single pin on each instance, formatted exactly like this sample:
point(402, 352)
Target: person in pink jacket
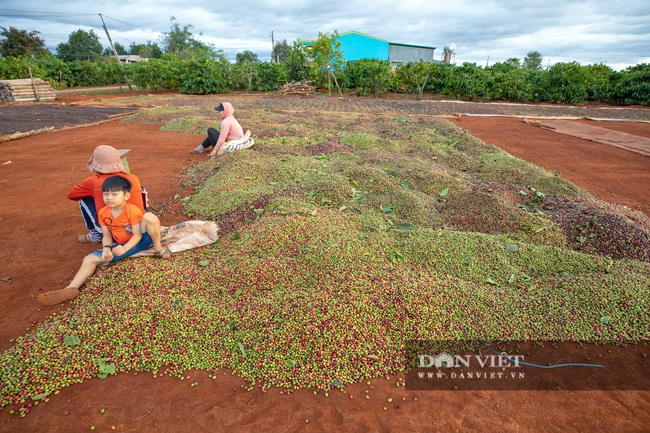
point(231, 137)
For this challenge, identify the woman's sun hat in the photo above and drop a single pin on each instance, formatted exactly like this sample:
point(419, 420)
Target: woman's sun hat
point(106, 159)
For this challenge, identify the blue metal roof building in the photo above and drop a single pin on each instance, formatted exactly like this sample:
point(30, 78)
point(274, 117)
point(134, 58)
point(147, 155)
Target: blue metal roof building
point(356, 45)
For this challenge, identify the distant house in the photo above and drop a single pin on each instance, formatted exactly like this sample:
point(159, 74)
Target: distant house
point(131, 58)
point(356, 45)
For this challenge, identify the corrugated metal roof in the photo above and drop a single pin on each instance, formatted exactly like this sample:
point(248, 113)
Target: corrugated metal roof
point(311, 41)
point(411, 45)
point(354, 32)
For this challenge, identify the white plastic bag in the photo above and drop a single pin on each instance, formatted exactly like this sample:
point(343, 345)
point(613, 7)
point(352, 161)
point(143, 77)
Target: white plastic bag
point(185, 236)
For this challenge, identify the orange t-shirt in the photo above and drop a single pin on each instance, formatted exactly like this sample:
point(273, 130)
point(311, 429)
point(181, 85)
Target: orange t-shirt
point(92, 187)
point(121, 227)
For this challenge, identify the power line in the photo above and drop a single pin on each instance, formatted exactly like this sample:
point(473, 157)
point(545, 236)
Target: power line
point(130, 25)
point(42, 12)
point(45, 15)
point(124, 39)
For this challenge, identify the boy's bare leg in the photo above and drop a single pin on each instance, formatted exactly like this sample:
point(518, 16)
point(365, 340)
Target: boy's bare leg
point(88, 267)
point(151, 224)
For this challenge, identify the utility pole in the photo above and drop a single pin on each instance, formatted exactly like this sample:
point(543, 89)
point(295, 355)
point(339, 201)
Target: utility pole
point(272, 48)
point(110, 41)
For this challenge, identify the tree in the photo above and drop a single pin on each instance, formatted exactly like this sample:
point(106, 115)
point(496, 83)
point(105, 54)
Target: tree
point(326, 57)
point(414, 76)
point(150, 50)
point(177, 39)
point(247, 56)
point(281, 52)
point(533, 60)
point(17, 43)
point(296, 63)
point(204, 51)
point(118, 47)
point(514, 61)
point(182, 43)
point(81, 45)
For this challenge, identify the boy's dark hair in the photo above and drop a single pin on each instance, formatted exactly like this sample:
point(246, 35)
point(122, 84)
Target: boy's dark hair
point(117, 183)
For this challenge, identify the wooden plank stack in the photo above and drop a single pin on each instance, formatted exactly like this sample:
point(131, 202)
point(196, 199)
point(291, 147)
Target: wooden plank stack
point(26, 90)
point(298, 88)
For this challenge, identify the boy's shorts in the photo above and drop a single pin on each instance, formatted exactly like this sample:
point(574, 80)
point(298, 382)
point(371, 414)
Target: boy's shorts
point(144, 244)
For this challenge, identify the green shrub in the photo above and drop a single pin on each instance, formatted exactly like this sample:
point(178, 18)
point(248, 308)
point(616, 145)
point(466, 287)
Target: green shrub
point(156, 74)
point(84, 73)
point(52, 69)
point(468, 81)
point(368, 76)
point(565, 83)
point(632, 86)
point(599, 82)
point(511, 85)
point(202, 77)
point(13, 68)
point(440, 75)
point(413, 77)
point(269, 76)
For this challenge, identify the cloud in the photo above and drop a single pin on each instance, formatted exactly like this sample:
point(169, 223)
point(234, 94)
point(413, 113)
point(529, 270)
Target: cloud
point(485, 32)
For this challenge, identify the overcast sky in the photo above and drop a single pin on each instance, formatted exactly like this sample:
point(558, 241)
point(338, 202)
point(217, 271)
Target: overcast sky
point(485, 32)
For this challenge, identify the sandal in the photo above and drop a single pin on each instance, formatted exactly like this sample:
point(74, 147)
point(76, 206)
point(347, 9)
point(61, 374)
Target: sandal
point(86, 239)
point(164, 253)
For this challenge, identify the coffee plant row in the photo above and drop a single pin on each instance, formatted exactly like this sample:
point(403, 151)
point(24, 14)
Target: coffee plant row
point(564, 83)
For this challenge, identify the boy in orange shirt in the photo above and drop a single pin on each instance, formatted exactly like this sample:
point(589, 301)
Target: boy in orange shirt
point(126, 231)
point(104, 162)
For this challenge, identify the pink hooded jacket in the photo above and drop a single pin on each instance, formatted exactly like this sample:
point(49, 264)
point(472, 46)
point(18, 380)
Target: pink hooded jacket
point(230, 127)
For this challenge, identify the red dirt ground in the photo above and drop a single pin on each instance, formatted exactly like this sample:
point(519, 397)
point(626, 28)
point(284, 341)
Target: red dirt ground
point(39, 251)
point(607, 172)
